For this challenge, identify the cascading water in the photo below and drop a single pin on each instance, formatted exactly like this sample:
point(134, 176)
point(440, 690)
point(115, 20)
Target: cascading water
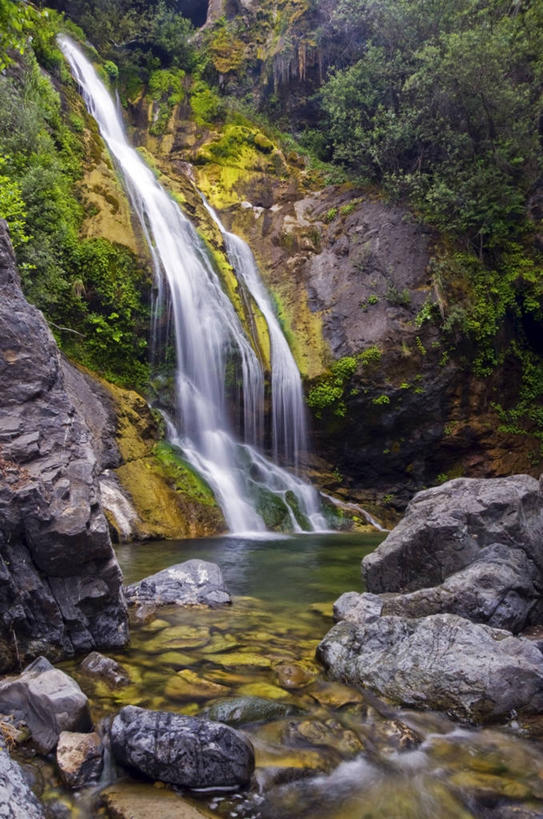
point(289, 435)
point(209, 334)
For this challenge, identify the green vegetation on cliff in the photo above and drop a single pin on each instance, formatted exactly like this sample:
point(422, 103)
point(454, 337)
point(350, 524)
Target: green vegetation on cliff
point(93, 292)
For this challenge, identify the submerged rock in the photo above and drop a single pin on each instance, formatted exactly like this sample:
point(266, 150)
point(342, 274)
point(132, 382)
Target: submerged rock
point(79, 758)
point(186, 751)
point(442, 662)
point(61, 583)
point(240, 710)
point(16, 799)
point(195, 582)
point(131, 800)
point(98, 667)
point(446, 528)
point(47, 700)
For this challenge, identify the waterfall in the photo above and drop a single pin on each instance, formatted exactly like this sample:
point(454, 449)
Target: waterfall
point(208, 337)
point(289, 432)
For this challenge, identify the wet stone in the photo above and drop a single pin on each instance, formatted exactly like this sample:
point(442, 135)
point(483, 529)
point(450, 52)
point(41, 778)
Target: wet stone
point(239, 710)
point(181, 750)
point(127, 800)
point(294, 675)
point(96, 666)
point(187, 685)
point(79, 758)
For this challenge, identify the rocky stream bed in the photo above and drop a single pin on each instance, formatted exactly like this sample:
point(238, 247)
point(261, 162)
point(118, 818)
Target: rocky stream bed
point(321, 748)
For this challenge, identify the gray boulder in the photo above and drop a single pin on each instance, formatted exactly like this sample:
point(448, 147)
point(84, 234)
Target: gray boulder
point(60, 584)
point(446, 527)
point(179, 750)
point(195, 582)
point(442, 662)
point(16, 799)
point(500, 589)
point(47, 700)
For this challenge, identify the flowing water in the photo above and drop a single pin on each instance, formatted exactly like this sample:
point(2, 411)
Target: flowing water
point(208, 338)
point(323, 750)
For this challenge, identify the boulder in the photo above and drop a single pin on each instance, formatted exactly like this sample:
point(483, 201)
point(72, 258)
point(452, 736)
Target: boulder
point(16, 799)
point(501, 589)
point(179, 750)
point(98, 667)
point(60, 583)
point(446, 528)
point(442, 662)
point(193, 583)
point(47, 700)
point(79, 758)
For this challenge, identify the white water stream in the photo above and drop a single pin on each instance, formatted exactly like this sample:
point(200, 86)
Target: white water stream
point(209, 335)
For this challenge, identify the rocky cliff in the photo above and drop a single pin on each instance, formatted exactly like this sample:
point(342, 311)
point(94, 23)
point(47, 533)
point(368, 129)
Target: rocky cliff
point(60, 584)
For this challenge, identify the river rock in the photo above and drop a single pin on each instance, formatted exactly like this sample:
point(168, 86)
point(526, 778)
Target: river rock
point(60, 581)
point(446, 528)
point(79, 758)
point(98, 667)
point(442, 662)
point(186, 751)
point(135, 800)
point(47, 700)
point(240, 710)
point(500, 589)
point(195, 582)
point(16, 799)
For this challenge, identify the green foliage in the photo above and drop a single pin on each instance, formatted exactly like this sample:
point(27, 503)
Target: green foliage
point(440, 103)
point(328, 393)
point(370, 356)
point(93, 293)
point(205, 103)
point(13, 22)
point(330, 215)
point(111, 70)
point(401, 298)
point(166, 88)
point(381, 400)
point(12, 207)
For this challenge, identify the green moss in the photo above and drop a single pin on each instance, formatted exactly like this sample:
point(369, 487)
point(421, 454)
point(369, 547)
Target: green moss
point(330, 215)
point(166, 89)
point(181, 476)
point(205, 103)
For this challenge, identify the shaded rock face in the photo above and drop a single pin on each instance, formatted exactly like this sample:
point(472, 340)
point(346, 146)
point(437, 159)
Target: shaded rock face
point(47, 700)
point(352, 272)
point(60, 584)
point(192, 583)
point(16, 799)
point(457, 577)
point(441, 662)
point(180, 750)
point(445, 529)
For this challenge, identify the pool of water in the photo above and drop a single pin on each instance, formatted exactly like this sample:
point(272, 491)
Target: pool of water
point(323, 750)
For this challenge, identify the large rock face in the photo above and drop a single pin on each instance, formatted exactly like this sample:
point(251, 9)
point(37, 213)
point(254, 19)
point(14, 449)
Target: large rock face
point(448, 588)
point(445, 529)
point(194, 753)
point(60, 586)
